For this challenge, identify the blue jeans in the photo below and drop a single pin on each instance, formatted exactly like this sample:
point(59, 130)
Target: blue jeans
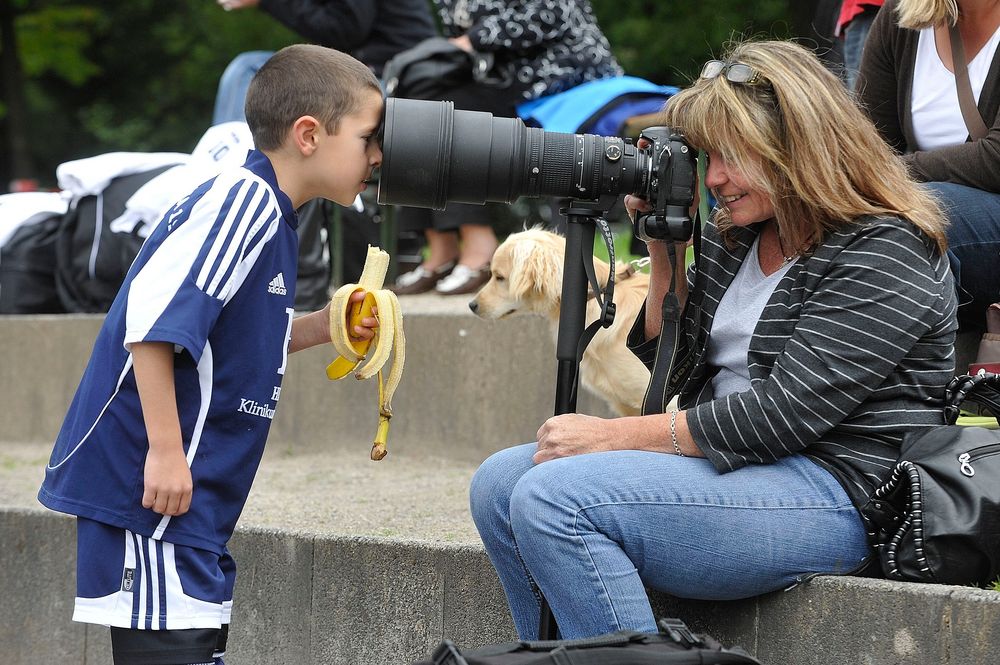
point(973, 248)
point(591, 532)
point(233, 85)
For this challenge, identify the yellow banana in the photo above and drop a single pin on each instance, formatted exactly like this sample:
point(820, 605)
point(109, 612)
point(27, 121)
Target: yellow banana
point(366, 358)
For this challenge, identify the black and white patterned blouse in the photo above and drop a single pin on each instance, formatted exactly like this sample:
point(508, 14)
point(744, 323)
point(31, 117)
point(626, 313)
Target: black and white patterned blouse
point(548, 46)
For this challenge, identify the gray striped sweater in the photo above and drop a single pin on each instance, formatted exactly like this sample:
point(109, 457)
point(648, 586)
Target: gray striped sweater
point(852, 351)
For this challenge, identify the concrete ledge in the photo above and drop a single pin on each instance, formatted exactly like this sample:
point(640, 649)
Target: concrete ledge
point(366, 601)
point(471, 387)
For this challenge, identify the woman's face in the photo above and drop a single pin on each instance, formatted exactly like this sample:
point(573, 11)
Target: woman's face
point(734, 192)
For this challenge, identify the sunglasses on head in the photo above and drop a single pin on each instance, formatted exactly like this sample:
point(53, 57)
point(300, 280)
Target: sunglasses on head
point(736, 72)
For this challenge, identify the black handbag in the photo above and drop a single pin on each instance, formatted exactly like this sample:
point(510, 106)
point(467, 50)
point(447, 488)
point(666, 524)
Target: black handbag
point(937, 517)
point(432, 68)
point(673, 645)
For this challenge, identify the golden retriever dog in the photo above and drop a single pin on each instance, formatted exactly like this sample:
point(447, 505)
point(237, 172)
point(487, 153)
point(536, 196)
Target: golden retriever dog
point(527, 273)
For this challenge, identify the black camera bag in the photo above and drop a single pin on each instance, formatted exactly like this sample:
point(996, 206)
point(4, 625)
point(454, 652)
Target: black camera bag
point(937, 517)
point(673, 645)
point(432, 68)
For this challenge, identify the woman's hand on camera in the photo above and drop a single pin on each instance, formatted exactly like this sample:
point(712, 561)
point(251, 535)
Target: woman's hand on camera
point(574, 434)
point(635, 204)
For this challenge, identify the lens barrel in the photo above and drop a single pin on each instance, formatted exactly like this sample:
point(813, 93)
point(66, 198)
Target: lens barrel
point(433, 154)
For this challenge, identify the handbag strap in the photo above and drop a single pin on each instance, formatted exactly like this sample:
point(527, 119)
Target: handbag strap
point(970, 112)
point(982, 388)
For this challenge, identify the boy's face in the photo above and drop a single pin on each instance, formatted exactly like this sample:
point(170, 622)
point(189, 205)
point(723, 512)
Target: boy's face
point(349, 156)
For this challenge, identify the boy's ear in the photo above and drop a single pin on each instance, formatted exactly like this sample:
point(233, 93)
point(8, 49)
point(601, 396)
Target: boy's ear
point(305, 134)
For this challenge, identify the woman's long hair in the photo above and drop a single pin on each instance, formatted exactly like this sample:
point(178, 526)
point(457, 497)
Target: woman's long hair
point(799, 138)
point(919, 14)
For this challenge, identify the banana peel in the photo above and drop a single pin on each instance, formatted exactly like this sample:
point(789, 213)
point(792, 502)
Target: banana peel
point(367, 358)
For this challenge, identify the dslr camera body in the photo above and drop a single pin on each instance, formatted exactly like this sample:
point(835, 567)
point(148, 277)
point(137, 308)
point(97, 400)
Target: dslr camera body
point(433, 154)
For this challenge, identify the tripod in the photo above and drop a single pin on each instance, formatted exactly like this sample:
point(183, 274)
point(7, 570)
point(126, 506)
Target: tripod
point(583, 218)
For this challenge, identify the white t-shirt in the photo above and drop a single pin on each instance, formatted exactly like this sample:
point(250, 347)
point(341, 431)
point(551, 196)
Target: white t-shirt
point(735, 320)
point(937, 117)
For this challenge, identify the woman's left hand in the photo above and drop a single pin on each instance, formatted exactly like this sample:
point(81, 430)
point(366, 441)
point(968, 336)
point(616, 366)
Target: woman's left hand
point(574, 434)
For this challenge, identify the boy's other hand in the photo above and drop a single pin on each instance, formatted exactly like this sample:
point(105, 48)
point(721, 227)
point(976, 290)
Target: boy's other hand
point(366, 327)
point(168, 484)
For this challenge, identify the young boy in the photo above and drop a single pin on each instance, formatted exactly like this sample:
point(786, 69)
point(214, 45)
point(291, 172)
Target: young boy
point(165, 433)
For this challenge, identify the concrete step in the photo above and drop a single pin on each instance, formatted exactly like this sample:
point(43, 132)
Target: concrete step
point(359, 600)
point(346, 561)
point(471, 387)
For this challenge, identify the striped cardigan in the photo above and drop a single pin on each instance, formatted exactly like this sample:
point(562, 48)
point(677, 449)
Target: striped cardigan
point(852, 351)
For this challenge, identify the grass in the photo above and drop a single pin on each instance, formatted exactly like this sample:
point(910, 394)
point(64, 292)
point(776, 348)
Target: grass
point(995, 585)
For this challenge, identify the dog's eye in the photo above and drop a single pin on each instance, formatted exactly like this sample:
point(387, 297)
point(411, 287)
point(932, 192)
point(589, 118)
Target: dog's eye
point(499, 278)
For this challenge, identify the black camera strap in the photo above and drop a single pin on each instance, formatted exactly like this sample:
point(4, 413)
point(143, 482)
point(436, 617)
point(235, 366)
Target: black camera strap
point(605, 297)
point(667, 374)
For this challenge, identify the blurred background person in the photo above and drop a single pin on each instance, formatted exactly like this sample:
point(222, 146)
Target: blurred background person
point(853, 24)
point(373, 31)
point(907, 85)
point(539, 47)
point(370, 30)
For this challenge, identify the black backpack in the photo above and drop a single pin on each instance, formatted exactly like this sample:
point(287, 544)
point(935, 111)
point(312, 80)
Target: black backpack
point(673, 645)
point(91, 261)
point(28, 269)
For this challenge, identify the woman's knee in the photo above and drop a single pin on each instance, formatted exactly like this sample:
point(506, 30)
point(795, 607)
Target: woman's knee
point(544, 502)
point(495, 479)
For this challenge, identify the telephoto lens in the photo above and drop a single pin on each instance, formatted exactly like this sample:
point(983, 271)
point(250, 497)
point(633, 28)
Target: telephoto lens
point(433, 154)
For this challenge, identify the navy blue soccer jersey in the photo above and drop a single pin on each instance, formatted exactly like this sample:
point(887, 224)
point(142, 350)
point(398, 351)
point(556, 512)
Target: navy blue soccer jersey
point(216, 279)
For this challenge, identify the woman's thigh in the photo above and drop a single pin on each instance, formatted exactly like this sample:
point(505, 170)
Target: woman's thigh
point(974, 240)
point(693, 532)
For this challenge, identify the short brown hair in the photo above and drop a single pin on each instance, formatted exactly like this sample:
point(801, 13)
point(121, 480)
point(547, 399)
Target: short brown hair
point(304, 79)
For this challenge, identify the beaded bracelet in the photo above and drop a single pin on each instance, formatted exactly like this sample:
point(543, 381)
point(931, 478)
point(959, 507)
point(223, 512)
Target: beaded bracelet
point(673, 433)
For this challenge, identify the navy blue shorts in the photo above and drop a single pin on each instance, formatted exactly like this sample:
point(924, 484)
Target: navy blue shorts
point(128, 581)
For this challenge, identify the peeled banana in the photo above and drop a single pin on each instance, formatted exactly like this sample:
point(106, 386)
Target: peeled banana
point(366, 358)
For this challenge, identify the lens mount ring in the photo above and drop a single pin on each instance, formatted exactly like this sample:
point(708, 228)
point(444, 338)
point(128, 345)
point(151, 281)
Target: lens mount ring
point(447, 131)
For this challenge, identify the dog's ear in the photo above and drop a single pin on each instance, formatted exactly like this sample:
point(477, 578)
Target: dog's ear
point(536, 267)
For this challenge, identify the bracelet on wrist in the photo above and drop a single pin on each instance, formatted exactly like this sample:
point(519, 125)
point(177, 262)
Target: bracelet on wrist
point(673, 433)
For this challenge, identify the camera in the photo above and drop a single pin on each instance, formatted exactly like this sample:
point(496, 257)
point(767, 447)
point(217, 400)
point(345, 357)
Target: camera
point(433, 154)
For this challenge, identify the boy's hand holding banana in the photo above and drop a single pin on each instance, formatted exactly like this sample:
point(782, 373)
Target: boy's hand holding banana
point(366, 357)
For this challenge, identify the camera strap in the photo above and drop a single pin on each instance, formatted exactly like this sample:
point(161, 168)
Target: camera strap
point(605, 297)
point(668, 372)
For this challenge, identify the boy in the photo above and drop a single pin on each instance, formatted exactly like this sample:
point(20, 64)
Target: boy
point(161, 443)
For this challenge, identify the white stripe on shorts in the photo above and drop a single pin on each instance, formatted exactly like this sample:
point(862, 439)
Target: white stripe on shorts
point(182, 611)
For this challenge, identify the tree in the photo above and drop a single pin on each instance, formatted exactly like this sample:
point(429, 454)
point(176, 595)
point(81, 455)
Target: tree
point(105, 75)
point(17, 158)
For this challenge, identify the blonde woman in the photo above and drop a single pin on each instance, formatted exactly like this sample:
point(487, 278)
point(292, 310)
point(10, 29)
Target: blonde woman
point(907, 85)
point(817, 331)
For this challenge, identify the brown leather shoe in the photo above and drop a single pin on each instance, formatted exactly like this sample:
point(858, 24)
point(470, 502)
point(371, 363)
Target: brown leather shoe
point(463, 279)
point(420, 279)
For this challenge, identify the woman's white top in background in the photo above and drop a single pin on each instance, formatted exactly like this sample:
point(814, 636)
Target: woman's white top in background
point(937, 117)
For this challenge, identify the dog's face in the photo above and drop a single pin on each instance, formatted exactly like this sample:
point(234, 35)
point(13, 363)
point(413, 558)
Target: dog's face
point(526, 277)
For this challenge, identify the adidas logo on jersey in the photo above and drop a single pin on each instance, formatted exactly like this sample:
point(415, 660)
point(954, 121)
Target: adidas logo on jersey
point(277, 285)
